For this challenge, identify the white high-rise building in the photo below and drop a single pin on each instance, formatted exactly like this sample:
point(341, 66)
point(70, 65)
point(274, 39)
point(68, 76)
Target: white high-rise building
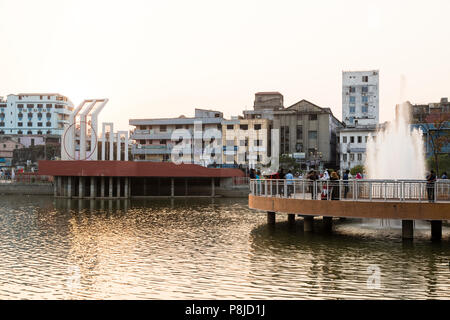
point(360, 98)
point(34, 113)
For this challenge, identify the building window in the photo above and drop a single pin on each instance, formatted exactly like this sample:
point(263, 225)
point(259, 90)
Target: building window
point(344, 157)
point(344, 139)
point(39, 124)
point(39, 132)
point(29, 132)
point(352, 99)
point(40, 105)
point(359, 156)
point(162, 128)
point(313, 117)
point(30, 124)
point(20, 106)
point(352, 157)
point(312, 134)
point(49, 115)
point(352, 89)
point(299, 133)
point(359, 139)
point(352, 139)
point(258, 143)
point(365, 79)
point(257, 126)
point(230, 127)
point(2, 124)
point(30, 106)
point(365, 89)
point(48, 124)
point(19, 132)
point(48, 132)
point(351, 119)
point(352, 109)
point(243, 126)
point(366, 137)
point(365, 109)
point(365, 99)
point(39, 115)
point(30, 115)
point(48, 106)
point(32, 141)
point(19, 124)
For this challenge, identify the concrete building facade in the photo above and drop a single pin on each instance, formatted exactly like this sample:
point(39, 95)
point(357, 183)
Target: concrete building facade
point(352, 145)
point(34, 113)
point(156, 138)
point(246, 142)
point(307, 132)
point(360, 97)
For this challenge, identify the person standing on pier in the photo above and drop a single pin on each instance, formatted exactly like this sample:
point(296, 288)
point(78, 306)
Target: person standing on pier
point(289, 183)
point(431, 179)
point(345, 178)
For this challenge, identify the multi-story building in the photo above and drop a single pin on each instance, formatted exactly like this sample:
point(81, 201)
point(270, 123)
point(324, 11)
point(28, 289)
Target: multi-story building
point(360, 98)
point(246, 142)
point(307, 132)
point(34, 113)
point(7, 146)
point(156, 138)
point(352, 145)
point(434, 121)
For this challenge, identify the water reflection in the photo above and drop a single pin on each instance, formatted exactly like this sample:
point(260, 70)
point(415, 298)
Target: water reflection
point(201, 249)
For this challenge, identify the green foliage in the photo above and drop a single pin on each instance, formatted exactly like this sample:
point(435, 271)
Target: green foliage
point(444, 163)
point(289, 163)
point(357, 169)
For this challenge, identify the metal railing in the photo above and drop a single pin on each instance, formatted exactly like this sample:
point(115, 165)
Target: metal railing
point(354, 190)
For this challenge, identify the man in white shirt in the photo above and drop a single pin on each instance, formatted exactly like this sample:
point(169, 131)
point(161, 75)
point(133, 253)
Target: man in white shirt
point(289, 181)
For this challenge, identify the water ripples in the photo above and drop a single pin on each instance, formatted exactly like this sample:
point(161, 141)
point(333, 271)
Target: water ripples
point(202, 249)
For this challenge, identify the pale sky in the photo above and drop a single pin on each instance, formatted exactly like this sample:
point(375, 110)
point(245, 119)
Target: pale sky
point(164, 58)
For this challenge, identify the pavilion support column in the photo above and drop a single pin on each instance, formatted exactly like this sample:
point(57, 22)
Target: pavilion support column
point(407, 229)
point(92, 191)
point(55, 186)
point(291, 219)
point(172, 187)
point(60, 187)
point(81, 188)
point(327, 223)
point(102, 187)
point(69, 187)
point(436, 229)
point(270, 217)
point(308, 223)
point(118, 186)
point(111, 181)
point(125, 188)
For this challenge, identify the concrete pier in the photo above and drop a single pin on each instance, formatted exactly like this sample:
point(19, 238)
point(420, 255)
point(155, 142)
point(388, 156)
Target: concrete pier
point(92, 191)
point(436, 229)
point(270, 217)
point(118, 187)
point(102, 187)
point(69, 187)
point(111, 180)
point(81, 187)
point(308, 223)
point(407, 229)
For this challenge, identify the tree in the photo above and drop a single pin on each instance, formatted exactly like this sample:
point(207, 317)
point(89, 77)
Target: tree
point(437, 129)
point(357, 169)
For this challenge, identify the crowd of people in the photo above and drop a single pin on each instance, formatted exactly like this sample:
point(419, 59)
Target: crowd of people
point(331, 189)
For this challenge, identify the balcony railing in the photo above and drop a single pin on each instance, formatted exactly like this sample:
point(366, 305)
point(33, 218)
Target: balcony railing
point(355, 190)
